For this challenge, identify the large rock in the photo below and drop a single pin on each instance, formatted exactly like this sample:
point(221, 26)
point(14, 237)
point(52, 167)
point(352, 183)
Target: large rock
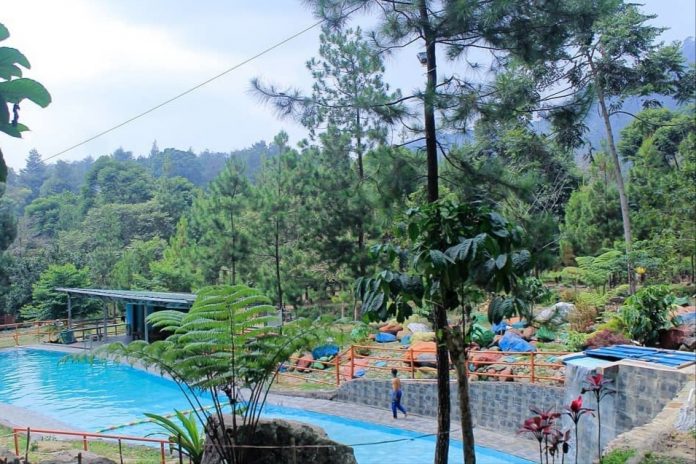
point(305, 362)
point(482, 358)
point(392, 328)
point(418, 327)
point(7, 455)
point(423, 337)
point(295, 441)
point(417, 349)
point(70, 457)
point(556, 314)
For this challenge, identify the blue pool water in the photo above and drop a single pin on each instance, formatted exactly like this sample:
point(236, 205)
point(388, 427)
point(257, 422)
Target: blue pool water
point(92, 397)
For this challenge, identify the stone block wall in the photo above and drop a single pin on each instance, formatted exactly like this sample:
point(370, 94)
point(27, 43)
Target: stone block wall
point(495, 405)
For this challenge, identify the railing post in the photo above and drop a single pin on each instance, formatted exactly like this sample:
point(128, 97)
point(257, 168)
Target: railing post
point(413, 365)
point(162, 452)
point(531, 366)
point(84, 442)
point(352, 361)
point(338, 369)
point(15, 432)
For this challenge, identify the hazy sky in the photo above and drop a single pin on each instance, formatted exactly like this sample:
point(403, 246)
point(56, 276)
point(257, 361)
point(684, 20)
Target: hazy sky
point(104, 61)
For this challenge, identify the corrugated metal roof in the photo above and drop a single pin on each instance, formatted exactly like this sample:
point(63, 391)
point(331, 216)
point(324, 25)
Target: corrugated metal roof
point(670, 358)
point(185, 299)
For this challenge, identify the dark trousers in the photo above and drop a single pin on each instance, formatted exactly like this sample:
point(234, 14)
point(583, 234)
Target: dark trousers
point(396, 403)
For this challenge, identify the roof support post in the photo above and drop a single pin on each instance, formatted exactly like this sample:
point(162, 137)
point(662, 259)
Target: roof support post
point(69, 312)
point(106, 308)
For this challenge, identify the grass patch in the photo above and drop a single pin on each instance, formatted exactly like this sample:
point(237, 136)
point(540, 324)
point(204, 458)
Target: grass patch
point(619, 456)
point(41, 448)
point(658, 458)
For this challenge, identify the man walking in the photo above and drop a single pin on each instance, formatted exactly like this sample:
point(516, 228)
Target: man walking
point(396, 394)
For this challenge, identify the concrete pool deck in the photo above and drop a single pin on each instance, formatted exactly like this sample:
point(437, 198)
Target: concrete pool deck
point(507, 443)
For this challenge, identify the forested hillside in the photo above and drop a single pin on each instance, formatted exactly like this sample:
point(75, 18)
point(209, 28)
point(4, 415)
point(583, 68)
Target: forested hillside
point(299, 221)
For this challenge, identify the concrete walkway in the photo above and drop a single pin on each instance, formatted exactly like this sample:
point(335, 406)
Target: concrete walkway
point(504, 442)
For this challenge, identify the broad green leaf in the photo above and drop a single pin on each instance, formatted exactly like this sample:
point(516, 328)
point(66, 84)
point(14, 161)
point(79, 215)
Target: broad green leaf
point(4, 112)
point(16, 90)
point(9, 59)
point(500, 261)
point(13, 131)
point(439, 259)
point(4, 33)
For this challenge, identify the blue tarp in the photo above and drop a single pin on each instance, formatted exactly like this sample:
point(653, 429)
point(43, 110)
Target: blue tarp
point(384, 337)
point(687, 318)
point(328, 351)
point(669, 358)
point(513, 342)
point(500, 327)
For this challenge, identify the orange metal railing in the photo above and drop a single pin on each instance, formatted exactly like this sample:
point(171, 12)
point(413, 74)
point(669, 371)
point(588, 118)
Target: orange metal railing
point(44, 330)
point(343, 366)
point(85, 435)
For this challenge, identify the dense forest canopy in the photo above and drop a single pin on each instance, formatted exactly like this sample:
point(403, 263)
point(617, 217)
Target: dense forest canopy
point(298, 221)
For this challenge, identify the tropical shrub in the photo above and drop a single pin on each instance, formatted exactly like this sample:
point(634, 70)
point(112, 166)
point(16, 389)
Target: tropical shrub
point(186, 435)
point(226, 346)
point(647, 312)
point(576, 341)
point(605, 338)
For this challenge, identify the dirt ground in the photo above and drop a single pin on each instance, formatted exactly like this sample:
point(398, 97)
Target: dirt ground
point(676, 448)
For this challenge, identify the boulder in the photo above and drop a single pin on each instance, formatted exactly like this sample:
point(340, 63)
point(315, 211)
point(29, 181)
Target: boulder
point(426, 360)
point(296, 441)
point(392, 328)
point(528, 333)
point(423, 337)
point(304, 362)
point(419, 348)
point(359, 369)
point(70, 457)
point(484, 358)
point(674, 337)
point(418, 327)
point(7, 455)
point(506, 375)
point(556, 314)
point(689, 344)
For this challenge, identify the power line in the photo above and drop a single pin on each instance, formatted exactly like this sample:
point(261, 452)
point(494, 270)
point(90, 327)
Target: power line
point(192, 89)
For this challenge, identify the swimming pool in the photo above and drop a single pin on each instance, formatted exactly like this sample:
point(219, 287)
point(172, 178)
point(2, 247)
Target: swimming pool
point(92, 397)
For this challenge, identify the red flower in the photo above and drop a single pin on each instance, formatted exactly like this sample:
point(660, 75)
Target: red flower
point(598, 385)
point(576, 411)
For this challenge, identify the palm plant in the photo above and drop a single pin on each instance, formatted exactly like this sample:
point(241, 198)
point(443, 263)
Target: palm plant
point(189, 438)
point(223, 346)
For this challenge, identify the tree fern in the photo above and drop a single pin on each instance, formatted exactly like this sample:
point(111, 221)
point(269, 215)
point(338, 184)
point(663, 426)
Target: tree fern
point(223, 345)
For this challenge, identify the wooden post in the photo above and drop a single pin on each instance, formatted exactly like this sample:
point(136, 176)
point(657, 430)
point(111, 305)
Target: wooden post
point(531, 364)
point(84, 442)
point(338, 370)
point(413, 364)
point(162, 455)
point(16, 441)
point(352, 361)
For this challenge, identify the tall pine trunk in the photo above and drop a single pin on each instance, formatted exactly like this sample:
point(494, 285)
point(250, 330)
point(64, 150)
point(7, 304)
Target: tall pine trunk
point(623, 199)
point(439, 311)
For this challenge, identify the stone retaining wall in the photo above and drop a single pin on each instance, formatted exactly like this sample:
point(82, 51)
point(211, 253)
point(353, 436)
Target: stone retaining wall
point(495, 405)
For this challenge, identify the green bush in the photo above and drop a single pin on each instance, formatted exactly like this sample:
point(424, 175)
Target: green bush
point(618, 456)
point(647, 312)
point(575, 341)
